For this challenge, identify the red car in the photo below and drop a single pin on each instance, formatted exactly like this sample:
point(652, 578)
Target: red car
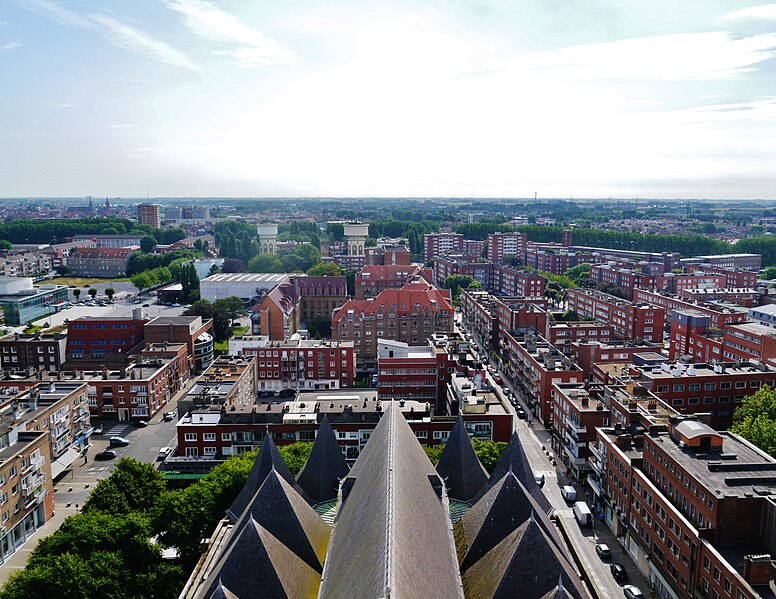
point(498, 379)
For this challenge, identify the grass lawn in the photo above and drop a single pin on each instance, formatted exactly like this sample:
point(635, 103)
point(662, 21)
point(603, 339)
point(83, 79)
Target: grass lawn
point(81, 281)
point(223, 346)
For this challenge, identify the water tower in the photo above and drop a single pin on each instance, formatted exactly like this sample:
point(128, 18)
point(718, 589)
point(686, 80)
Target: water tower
point(355, 236)
point(267, 237)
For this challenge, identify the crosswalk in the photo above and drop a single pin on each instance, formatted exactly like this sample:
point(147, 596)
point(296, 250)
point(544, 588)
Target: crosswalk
point(118, 430)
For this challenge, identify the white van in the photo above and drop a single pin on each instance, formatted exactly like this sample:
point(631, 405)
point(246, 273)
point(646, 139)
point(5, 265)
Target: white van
point(569, 493)
point(163, 453)
point(583, 514)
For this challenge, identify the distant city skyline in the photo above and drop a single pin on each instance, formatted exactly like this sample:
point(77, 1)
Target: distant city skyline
point(581, 99)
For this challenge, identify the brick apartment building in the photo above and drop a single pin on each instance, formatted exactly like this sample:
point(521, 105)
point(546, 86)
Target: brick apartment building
point(192, 331)
point(419, 373)
point(438, 244)
point(630, 320)
point(20, 351)
point(742, 261)
point(550, 259)
point(499, 245)
point(714, 389)
point(93, 341)
point(217, 434)
point(300, 363)
point(411, 314)
point(718, 315)
point(536, 365)
point(371, 280)
point(587, 354)
point(99, 262)
point(385, 254)
point(563, 335)
point(748, 341)
point(681, 502)
point(734, 277)
point(516, 283)
point(488, 315)
point(577, 410)
point(228, 383)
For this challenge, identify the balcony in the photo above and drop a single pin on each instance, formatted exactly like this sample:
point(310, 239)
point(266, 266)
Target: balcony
point(576, 428)
point(594, 449)
point(596, 466)
point(593, 483)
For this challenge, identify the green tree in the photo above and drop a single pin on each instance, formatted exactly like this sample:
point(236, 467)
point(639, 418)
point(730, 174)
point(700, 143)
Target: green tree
point(222, 329)
point(93, 292)
point(232, 306)
point(769, 274)
point(755, 419)
point(327, 269)
point(299, 258)
point(76, 294)
point(110, 292)
point(457, 282)
point(132, 487)
point(147, 244)
point(142, 281)
point(489, 452)
point(474, 285)
point(434, 453)
point(265, 263)
point(5, 244)
point(575, 273)
point(295, 455)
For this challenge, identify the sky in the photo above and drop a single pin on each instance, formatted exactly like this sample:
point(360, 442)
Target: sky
point(483, 98)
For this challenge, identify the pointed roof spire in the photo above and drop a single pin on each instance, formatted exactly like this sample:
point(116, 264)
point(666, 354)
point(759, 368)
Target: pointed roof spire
point(393, 526)
point(459, 465)
point(268, 458)
point(506, 506)
point(514, 460)
point(258, 560)
point(288, 517)
point(325, 466)
point(524, 565)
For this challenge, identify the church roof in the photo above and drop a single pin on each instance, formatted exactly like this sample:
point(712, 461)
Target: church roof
point(258, 564)
point(459, 466)
point(282, 511)
point(505, 507)
point(514, 459)
point(524, 565)
point(325, 466)
point(392, 533)
point(268, 458)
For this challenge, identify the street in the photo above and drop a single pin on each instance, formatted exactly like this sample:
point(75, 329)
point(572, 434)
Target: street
point(536, 441)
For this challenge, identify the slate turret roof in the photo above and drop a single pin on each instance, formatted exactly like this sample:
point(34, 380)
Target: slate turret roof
point(282, 511)
point(268, 458)
point(325, 466)
point(514, 459)
point(459, 466)
point(525, 565)
point(392, 534)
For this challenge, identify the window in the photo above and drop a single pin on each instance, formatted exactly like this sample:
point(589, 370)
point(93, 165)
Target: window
point(709, 386)
point(190, 437)
point(706, 564)
point(210, 450)
point(208, 436)
point(226, 436)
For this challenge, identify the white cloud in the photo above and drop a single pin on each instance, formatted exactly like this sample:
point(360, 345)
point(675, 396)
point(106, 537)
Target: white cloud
point(54, 11)
point(120, 126)
point(763, 11)
point(132, 39)
point(11, 45)
point(212, 23)
point(713, 55)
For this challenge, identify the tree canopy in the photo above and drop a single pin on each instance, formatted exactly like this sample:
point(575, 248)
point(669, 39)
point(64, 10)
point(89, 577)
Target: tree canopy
point(755, 419)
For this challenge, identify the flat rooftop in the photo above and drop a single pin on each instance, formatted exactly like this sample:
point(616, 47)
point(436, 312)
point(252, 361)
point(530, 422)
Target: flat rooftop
point(739, 470)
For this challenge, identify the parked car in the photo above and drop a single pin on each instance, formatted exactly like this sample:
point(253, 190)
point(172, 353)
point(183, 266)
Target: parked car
point(520, 413)
point(146, 305)
point(118, 442)
point(107, 454)
point(169, 416)
point(603, 551)
point(632, 592)
point(539, 478)
point(163, 453)
point(176, 305)
point(97, 430)
point(140, 423)
point(618, 572)
point(569, 493)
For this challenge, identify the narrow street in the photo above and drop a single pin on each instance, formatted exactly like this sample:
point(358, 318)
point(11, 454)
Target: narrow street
point(537, 444)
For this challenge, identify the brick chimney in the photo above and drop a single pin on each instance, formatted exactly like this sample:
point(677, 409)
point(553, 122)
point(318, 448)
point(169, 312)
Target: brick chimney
point(757, 569)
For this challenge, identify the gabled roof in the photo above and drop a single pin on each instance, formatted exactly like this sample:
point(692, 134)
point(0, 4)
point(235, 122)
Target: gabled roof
point(325, 467)
point(459, 466)
point(525, 565)
point(413, 297)
point(505, 507)
point(280, 509)
point(514, 459)
point(392, 533)
point(268, 458)
point(257, 564)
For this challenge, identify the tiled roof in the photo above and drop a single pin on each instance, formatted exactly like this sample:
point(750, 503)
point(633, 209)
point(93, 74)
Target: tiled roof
point(101, 253)
point(392, 533)
point(412, 298)
point(459, 466)
point(325, 466)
